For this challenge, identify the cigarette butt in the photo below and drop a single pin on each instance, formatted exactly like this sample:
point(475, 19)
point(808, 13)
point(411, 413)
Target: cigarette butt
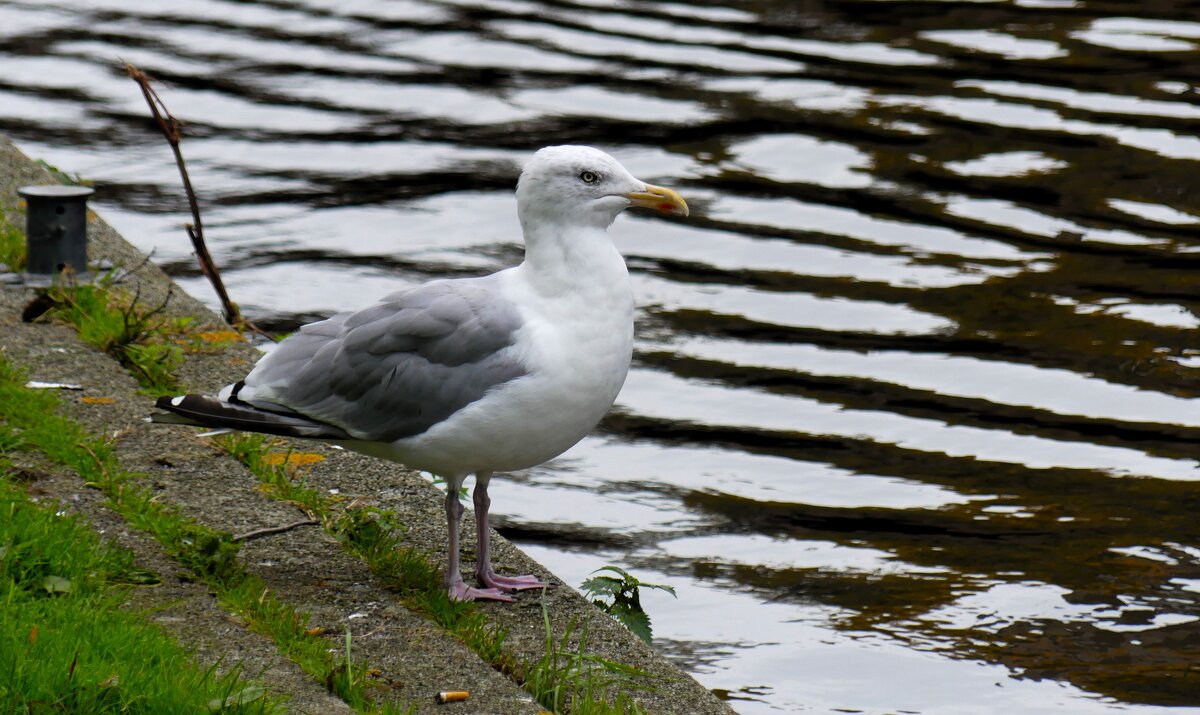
point(452, 696)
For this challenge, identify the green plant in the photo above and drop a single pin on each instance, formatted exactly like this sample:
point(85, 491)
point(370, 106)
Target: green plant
point(347, 676)
point(569, 679)
point(140, 338)
point(620, 597)
point(280, 478)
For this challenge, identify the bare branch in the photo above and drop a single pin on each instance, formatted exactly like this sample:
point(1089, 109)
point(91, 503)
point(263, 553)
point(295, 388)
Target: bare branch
point(172, 130)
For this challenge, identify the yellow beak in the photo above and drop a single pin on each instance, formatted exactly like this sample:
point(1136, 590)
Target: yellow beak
point(659, 199)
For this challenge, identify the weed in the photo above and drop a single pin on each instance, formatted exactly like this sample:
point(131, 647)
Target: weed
point(289, 629)
point(63, 177)
point(281, 479)
point(621, 598)
point(113, 320)
point(359, 529)
point(347, 676)
point(569, 679)
point(116, 322)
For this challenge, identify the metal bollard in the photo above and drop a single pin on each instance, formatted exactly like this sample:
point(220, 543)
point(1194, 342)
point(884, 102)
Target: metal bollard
point(56, 228)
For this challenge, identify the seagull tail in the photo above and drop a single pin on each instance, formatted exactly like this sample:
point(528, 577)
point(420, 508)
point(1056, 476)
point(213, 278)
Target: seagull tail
point(209, 411)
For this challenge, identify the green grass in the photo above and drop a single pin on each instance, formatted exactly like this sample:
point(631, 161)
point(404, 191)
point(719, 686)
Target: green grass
point(341, 674)
point(12, 243)
point(569, 679)
point(32, 422)
point(66, 642)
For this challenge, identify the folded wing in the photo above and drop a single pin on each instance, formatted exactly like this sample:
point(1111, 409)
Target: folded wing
point(389, 371)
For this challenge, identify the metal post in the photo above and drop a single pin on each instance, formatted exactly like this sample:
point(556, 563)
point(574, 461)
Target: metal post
point(56, 228)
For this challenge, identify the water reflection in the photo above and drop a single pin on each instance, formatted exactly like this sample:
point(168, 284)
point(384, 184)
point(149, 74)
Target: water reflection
point(910, 426)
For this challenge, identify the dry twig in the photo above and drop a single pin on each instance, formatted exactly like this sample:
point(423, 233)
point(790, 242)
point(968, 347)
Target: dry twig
point(171, 129)
point(275, 529)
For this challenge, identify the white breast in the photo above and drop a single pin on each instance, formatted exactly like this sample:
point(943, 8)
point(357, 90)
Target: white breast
point(577, 344)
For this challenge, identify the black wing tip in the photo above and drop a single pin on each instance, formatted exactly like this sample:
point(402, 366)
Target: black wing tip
point(209, 411)
point(203, 409)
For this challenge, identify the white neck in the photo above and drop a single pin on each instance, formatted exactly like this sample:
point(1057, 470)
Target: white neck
point(562, 260)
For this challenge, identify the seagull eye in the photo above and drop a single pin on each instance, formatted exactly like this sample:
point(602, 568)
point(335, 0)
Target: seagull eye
point(589, 177)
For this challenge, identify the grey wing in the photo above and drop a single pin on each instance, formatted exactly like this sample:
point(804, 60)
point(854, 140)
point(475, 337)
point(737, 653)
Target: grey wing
point(397, 368)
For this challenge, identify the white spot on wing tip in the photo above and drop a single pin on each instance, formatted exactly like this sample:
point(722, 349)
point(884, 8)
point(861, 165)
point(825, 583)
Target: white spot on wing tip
point(177, 401)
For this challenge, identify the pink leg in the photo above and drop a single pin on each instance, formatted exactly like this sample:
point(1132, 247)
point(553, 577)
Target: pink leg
point(458, 590)
point(483, 561)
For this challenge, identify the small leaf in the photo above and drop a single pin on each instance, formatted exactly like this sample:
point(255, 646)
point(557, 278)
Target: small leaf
point(33, 634)
point(625, 575)
point(139, 577)
point(598, 585)
point(661, 587)
point(636, 621)
point(87, 400)
point(56, 584)
point(246, 695)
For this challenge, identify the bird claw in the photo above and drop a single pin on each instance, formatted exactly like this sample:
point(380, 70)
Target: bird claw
point(462, 592)
point(510, 583)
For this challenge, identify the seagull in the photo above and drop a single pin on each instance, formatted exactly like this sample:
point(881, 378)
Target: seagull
point(469, 375)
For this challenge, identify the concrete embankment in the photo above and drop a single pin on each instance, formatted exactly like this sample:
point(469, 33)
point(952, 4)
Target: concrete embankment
point(304, 567)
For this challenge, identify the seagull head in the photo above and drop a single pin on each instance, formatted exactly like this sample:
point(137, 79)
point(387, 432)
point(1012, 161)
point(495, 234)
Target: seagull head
point(579, 185)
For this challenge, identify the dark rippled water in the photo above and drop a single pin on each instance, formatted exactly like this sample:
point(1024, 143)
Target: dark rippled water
point(912, 423)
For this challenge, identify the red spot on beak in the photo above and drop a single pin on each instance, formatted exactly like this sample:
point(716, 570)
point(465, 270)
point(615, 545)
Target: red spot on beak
point(666, 207)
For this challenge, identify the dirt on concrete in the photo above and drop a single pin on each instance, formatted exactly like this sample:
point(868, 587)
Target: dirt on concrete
point(303, 567)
